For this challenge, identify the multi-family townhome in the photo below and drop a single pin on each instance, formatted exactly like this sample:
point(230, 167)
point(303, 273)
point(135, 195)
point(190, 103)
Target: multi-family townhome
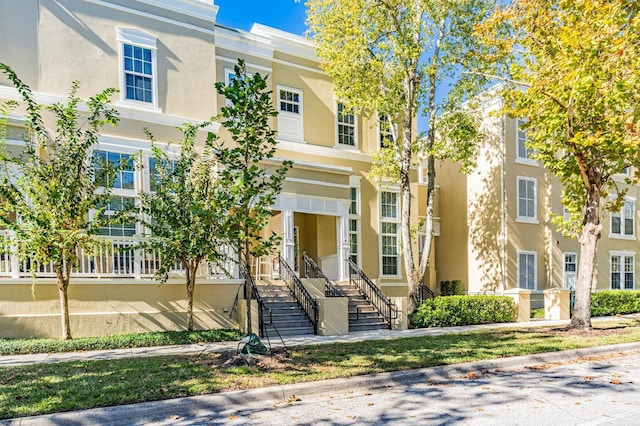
point(165, 58)
point(497, 232)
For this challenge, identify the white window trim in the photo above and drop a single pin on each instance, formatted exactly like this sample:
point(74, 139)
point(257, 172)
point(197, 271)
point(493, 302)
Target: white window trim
point(145, 40)
point(522, 160)
point(564, 268)
point(379, 133)
point(338, 145)
point(391, 220)
point(622, 235)
point(535, 268)
point(622, 254)
point(527, 219)
point(299, 115)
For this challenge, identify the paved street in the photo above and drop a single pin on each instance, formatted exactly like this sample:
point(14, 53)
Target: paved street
point(603, 390)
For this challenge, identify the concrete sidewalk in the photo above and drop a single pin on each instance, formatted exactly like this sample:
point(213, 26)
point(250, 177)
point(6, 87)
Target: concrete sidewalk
point(16, 360)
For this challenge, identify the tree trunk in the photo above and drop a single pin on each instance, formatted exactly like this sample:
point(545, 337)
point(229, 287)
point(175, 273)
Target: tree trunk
point(591, 228)
point(191, 284)
point(247, 286)
point(63, 284)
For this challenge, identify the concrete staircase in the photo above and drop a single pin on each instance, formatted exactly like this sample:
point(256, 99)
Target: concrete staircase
point(287, 315)
point(363, 315)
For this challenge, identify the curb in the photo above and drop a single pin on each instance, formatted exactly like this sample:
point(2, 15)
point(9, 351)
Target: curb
point(179, 410)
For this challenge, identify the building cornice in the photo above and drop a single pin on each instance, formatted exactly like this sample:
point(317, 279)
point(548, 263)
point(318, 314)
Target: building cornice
point(288, 43)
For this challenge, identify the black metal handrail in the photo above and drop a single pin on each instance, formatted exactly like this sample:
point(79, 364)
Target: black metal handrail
point(382, 303)
point(312, 270)
point(424, 293)
point(305, 300)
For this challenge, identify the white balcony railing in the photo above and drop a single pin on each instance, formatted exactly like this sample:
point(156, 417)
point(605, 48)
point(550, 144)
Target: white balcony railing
point(115, 259)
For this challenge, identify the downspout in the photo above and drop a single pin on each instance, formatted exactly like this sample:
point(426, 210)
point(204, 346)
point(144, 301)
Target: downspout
point(503, 210)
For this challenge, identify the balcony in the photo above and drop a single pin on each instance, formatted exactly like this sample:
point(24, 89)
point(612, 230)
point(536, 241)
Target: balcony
point(115, 259)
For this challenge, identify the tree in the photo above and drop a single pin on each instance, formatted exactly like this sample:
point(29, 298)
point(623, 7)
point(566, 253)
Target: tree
point(52, 186)
point(185, 214)
point(392, 58)
point(251, 178)
point(573, 70)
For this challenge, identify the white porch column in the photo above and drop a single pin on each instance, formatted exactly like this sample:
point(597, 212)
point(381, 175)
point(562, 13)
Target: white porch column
point(288, 245)
point(342, 238)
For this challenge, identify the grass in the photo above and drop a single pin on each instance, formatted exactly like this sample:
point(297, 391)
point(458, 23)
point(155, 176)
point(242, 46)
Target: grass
point(47, 388)
point(137, 340)
point(537, 313)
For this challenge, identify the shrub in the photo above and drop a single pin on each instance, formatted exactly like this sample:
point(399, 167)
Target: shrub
point(448, 311)
point(450, 288)
point(614, 302)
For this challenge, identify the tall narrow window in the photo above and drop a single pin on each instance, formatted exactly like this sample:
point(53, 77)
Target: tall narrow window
point(524, 154)
point(527, 270)
point(622, 222)
point(384, 131)
point(622, 268)
point(354, 224)
point(138, 67)
point(527, 199)
point(570, 270)
point(389, 233)
point(346, 126)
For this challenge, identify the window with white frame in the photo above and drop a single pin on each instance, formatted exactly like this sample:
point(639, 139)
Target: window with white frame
point(138, 67)
point(346, 125)
point(622, 267)
point(570, 270)
point(524, 154)
point(384, 131)
point(116, 205)
point(156, 169)
point(389, 241)
point(622, 222)
point(354, 225)
point(527, 199)
point(527, 263)
point(290, 122)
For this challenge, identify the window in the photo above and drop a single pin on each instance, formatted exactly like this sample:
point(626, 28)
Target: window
point(622, 222)
point(155, 171)
point(527, 199)
point(125, 178)
point(346, 126)
point(384, 131)
point(524, 154)
point(138, 67)
point(570, 270)
point(290, 123)
point(115, 205)
point(527, 270)
point(389, 233)
point(354, 224)
point(622, 271)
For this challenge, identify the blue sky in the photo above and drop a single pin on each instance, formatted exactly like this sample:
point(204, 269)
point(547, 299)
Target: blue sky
point(286, 15)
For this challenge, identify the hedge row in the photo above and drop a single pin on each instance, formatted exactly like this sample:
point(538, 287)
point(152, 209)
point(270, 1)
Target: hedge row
point(448, 311)
point(614, 302)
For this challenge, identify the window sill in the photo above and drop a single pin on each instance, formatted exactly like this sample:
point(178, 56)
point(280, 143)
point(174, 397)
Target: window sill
point(344, 147)
point(529, 220)
point(526, 162)
point(138, 106)
point(622, 237)
point(290, 139)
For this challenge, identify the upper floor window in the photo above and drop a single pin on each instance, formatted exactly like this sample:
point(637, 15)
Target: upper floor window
point(125, 176)
point(622, 222)
point(384, 131)
point(138, 67)
point(156, 169)
point(346, 126)
point(290, 108)
point(524, 154)
point(527, 199)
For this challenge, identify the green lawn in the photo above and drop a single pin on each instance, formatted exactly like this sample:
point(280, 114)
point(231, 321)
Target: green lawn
point(47, 388)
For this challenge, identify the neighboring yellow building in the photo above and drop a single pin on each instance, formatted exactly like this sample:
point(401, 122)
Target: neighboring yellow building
point(165, 57)
point(495, 230)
